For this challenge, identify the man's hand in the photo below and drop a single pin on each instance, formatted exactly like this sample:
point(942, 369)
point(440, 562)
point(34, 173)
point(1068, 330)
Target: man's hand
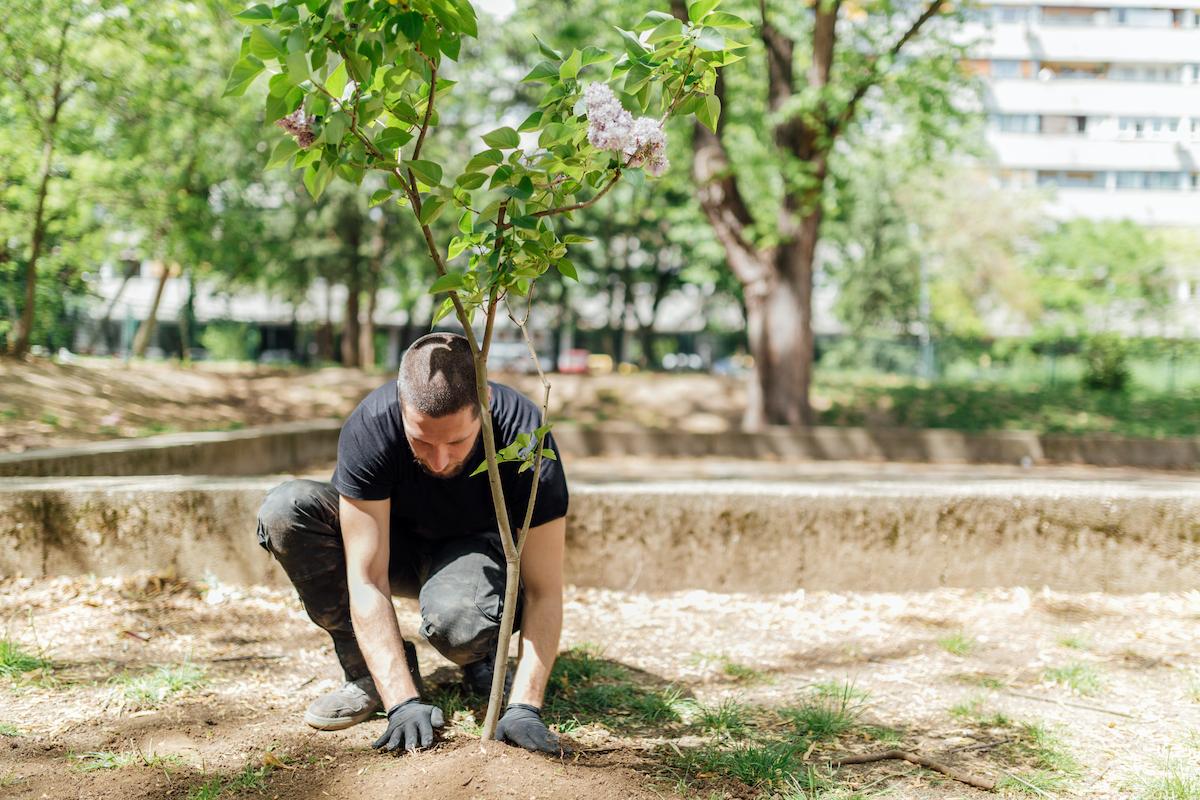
point(410, 725)
point(522, 726)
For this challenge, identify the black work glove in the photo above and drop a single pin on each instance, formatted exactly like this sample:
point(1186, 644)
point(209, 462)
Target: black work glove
point(522, 726)
point(410, 725)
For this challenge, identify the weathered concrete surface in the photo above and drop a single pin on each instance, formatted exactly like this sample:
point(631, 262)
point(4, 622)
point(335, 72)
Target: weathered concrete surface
point(302, 445)
point(718, 535)
point(263, 450)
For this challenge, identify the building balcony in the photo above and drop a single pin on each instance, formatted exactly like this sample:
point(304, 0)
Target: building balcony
point(1039, 42)
point(1157, 208)
point(1079, 152)
point(1095, 97)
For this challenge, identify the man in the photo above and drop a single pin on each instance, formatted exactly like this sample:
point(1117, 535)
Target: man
point(403, 515)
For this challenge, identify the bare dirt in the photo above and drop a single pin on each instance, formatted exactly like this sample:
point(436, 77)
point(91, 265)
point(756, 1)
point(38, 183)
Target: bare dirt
point(44, 403)
point(935, 667)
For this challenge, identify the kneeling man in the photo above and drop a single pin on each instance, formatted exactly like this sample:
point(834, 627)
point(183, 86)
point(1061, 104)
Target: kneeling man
point(402, 515)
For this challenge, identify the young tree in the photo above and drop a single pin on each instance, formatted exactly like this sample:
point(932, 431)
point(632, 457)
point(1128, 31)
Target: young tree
point(357, 84)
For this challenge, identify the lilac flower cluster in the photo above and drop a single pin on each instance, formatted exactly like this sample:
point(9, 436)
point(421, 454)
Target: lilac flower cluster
point(299, 126)
point(611, 127)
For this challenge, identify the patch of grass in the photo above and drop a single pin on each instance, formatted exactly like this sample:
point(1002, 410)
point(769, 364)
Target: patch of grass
point(10, 730)
point(251, 778)
point(15, 660)
point(9, 414)
point(1177, 781)
point(827, 714)
point(582, 665)
point(957, 644)
point(1075, 641)
point(759, 765)
point(740, 672)
point(658, 707)
point(727, 718)
point(1193, 689)
point(10, 778)
point(585, 689)
point(1078, 677)
point(887, 737)
point(970, 710)
point(88, 762)
point(980, 679)
point(48, 419)
point(1051, 765)
point(151, 688)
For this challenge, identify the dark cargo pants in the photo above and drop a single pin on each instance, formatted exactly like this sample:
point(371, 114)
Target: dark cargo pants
point(458, 581)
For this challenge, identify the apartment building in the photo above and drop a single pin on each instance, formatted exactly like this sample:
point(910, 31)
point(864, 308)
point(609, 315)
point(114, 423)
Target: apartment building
point(1098, 105)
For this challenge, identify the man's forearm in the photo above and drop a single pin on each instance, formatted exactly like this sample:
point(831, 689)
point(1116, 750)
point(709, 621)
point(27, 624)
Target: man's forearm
point(378, 635)
point(541, 627)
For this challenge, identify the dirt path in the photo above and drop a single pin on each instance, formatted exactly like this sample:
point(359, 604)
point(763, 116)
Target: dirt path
point(692, 692)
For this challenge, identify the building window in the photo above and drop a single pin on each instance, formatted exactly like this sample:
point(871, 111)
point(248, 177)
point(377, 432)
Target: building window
point(1065, 15)
point(1146, 73)
point(1148, 127)
point(1010, 14)
point(1143, 17)
point(1016, 123)
point(1071, 179)
point(1150, 181)
point(1005, 68)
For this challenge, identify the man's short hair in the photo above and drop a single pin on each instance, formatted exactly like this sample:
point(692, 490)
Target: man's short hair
point(437, 376)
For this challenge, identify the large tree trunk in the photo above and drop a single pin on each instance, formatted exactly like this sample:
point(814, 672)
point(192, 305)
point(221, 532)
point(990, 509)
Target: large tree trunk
point(351, 232)
point(146, 330)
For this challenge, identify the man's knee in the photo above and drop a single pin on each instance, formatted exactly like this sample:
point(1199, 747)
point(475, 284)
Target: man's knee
point(457, 627)
point(287, 510)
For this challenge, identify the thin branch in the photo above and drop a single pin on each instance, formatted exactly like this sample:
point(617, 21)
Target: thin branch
point(575, 207)
point(428, 108)
point(838, 123)
point(987, 784)
point(523, 533)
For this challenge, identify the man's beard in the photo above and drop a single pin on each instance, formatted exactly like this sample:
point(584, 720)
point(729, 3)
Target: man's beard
point(453, 472)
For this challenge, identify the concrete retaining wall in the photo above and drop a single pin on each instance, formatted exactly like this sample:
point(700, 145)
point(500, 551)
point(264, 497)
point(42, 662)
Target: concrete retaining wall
point(726, 536)
point(298, 446)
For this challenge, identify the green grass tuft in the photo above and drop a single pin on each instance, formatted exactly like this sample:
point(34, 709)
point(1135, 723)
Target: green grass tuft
point(15, 660)
point(957, 644)
point(727, 718)
point(10, 730)
point(757, 764)
point(741, 673)
point(827, 713)
point(1078, 677)
point(148, 689)
point(1075, 641)
point(89, 762)
point(1177, 781)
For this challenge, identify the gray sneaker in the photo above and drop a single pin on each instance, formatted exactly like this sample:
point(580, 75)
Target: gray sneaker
point(355, 701)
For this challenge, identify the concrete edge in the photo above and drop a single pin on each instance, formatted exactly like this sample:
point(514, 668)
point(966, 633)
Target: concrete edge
point(296, 446)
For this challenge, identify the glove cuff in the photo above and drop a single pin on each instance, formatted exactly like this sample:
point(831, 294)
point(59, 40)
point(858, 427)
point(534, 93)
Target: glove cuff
point(526, 706)
point(399, 706)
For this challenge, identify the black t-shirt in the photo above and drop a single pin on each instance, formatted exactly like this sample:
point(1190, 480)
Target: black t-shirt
point(375, 462)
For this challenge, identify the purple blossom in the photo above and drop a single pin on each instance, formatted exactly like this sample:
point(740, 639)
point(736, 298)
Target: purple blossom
point(300, 126)
point(609, 124)
point(647, 146)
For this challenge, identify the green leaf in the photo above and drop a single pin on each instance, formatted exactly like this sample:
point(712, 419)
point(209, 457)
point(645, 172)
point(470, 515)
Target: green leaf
point(265, 43)
point(286, 148)
point(594, 55)
point(526, 465)
point(457, 246)
point(550, 454)
point(503, 138)
point(466, 223)
point(575, 238)
point(254, 15)
point(570, 68)
point(531, 122)
point(547, 50)
point(567, 269)
point(445, 308)
point(431, 209)
point(471, 180)
point(723, 19)
point(481, 468)
point(710, 113)
point(242, 75)
point(451, 281)
point(335, 127)
point(633, 45)
point(336, 82)
point(710, 39)
point(316, 178)
point(380, 196)
point(451, 46)
point(523, 190)
point(392, 138)
point(428, 171)
point(669, 29)
point(297, 66)
point(652, 20)
point(411, 24)
point(484, 159)
point(544, 71)
point(700, 9)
